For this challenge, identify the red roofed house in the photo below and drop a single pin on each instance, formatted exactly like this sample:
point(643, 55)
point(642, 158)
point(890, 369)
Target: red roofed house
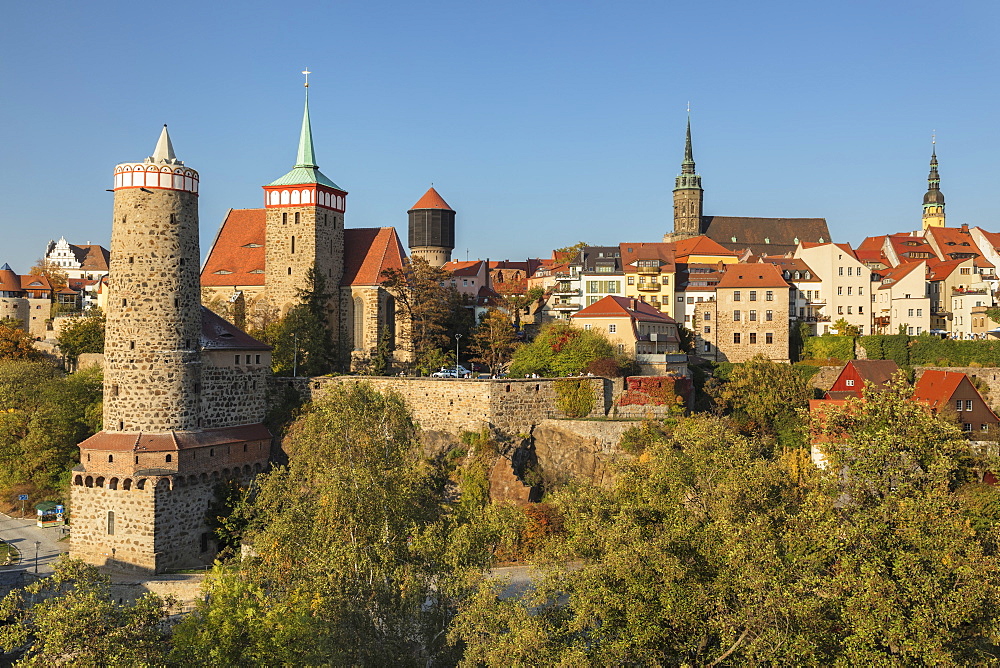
point(859, 374)
point(265, 255)
point(752, 314)
point(953, 391)
point(26, 298)
point(638, 329)
point(901, 299)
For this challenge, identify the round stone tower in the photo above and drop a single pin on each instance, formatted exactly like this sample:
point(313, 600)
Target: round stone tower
point(432, 229)
point(152, 366)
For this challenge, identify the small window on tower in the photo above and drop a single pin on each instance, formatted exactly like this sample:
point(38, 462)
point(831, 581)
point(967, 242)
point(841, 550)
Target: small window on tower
point(284, 219)
point(296, 217)
point(114, 390)
point(131, 345)
point(289, 271)
point(131, 260)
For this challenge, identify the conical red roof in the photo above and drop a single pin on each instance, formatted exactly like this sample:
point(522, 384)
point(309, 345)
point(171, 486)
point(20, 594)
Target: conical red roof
point(431, 200)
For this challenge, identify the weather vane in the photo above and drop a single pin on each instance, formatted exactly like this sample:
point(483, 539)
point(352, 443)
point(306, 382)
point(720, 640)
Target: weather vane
point(307, 73)
point(933, 136)
point(689, 106)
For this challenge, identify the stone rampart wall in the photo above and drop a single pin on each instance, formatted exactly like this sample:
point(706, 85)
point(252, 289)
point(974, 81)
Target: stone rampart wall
point(512, 406)
point(233, 394)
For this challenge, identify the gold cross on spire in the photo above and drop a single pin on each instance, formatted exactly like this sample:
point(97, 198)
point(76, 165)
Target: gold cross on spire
point(933, 136)
point(307, 73)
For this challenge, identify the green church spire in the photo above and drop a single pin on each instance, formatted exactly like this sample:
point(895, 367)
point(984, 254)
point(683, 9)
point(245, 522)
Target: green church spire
point(307, 155)
point(305, 170)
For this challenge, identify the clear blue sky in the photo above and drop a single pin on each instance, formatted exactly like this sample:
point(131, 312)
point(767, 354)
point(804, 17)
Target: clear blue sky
point(541, 123)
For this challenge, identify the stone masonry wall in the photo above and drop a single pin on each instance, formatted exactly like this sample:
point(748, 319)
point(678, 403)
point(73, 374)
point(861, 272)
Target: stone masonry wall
point(512, 406)
point(152, 369)
point(318, 242)
point(233, 394)
point(131, 546)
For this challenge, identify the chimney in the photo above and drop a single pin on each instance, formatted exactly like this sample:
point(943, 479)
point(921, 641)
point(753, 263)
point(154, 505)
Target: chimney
point(965, 228)
point(633, 303)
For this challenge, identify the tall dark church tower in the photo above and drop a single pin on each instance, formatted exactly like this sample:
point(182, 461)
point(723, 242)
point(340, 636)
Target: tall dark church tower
point(934, 198)
point(688, 195)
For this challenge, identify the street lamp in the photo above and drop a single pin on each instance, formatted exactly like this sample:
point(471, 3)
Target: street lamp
point(457, 338)
point(37, 543)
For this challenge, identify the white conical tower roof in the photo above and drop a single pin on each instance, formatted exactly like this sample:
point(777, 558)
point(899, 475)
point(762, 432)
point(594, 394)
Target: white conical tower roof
point(164, 151)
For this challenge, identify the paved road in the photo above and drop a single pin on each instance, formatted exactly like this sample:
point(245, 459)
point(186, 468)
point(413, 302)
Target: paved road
point(22, 534)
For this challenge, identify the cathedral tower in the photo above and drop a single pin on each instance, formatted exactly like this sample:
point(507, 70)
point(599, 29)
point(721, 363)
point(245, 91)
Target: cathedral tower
point(152, 369)
point(432, 229)
point(304, 228)
point(934, 199)
point(688, 195)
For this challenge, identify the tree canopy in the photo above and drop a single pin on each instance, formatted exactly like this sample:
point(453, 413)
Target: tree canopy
point(83, 335)
point(560, 349)
point(711, 549)
point(70, 619)
point(16, 344)
point(357, 559)
point(44, 414)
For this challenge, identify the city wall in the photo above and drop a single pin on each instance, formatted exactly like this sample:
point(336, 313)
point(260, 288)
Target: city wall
point(446, 407)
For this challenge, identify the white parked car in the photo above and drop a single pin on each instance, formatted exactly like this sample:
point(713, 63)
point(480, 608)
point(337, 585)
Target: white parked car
point(452, 372)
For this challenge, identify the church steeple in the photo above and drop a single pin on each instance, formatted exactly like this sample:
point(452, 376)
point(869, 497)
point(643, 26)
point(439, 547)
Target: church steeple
point(688, 193)
point(934, 199)
point(306, 156)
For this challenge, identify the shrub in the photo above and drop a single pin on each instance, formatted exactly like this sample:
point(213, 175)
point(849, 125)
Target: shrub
point(574, 397)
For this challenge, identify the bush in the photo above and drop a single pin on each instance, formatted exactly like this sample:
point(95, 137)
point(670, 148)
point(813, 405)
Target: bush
point(574, 397)
point(829, 346)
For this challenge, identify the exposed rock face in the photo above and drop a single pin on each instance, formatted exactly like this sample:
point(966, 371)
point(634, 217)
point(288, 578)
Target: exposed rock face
point(578, 449)
point(505, 485)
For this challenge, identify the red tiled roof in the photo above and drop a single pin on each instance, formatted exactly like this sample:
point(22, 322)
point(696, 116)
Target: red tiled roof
point(624, 307)
point(29, 282)
point(91, 256)
point(632, 252)
point(899, 272)
point(992, 238)
point(464, 267)
point(238, 250)
point(757, 275)
point(701, 245)
point(941, 270)
point(792, 264)
point(368, 251)
point(174, 440)
point(431, 200)
point(872, 243)
point(937, 387)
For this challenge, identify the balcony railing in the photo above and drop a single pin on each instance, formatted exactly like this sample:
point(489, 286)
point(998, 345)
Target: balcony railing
point(815, 300)
point(969, 291)
point(565, 291)
point(649, 287)
point(647, 270)
point(565, 306)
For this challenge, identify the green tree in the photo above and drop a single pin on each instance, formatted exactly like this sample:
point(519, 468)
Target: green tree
point(915, 581)
point(301, 340)
point(575, 248)
point(83, 335)
point(765, 397)
point(55, 274)
point(16, 344)
point(844, 328)
point(43, 416)
point(358, 560)
point(70, 619)
point(426, 304)
point(494, 342)
point(560, 349)
point(515, 298)
point(684, 561)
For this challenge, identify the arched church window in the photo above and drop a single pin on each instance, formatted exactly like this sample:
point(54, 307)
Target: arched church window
point(359, 323)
